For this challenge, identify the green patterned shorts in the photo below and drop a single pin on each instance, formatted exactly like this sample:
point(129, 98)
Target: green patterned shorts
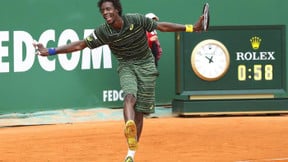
point(139, 79)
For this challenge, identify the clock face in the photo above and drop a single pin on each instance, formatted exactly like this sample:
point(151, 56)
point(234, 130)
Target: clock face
point(210, 60)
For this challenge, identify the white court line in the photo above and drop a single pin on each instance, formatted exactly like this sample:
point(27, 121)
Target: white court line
point(259, 160)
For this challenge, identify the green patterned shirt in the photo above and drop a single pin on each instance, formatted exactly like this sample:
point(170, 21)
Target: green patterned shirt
point(129, 43)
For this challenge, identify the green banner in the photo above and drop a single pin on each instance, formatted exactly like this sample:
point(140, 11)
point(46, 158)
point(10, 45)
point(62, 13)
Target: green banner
point(88, 79)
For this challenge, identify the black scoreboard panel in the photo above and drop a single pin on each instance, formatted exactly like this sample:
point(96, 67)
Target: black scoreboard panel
point(255, 78)
point(257, 61)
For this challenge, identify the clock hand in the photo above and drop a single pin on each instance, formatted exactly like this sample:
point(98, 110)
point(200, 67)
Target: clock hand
point(209, 59)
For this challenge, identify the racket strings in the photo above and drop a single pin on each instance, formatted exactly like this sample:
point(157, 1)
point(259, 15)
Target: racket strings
point(206, 17)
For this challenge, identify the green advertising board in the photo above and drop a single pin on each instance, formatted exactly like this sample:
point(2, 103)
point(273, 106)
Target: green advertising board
point(82, 80)
point(88, 79)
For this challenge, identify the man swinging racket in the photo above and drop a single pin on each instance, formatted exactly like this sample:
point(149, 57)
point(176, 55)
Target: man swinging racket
point(125, 34)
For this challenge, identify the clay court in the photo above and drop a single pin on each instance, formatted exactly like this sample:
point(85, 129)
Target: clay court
point(166, 139)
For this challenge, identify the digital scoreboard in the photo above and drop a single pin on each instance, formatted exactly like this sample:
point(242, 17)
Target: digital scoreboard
point(232, 69)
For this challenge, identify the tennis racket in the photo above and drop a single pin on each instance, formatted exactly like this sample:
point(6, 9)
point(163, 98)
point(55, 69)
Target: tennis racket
point(206, 17)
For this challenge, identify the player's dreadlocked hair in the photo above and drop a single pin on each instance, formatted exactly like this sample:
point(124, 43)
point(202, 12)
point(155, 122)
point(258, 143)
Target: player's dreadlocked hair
point(116, 4)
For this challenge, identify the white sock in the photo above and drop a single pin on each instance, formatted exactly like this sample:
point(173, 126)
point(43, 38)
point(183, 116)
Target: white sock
point(131, 153)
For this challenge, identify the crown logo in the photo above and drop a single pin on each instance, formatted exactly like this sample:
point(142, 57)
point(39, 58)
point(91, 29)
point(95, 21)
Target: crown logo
point(255, 42)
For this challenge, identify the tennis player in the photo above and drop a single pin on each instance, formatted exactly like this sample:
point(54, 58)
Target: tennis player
point(126, 36)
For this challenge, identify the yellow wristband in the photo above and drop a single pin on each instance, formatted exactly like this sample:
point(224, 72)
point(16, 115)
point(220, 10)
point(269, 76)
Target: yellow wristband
point(189, 28)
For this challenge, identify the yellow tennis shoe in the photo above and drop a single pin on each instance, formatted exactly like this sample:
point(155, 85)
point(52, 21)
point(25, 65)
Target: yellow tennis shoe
point(129, 159)
point(130, 132)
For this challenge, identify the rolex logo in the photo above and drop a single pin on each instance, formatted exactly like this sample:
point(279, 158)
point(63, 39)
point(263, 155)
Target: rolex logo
point(255, 42)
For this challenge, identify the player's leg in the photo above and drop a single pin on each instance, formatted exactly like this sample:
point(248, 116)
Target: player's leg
point(130, 129)
point(128, 84)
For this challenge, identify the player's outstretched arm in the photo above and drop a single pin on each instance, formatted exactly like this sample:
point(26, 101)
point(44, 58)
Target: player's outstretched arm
point(173, 27)
point(68, 48)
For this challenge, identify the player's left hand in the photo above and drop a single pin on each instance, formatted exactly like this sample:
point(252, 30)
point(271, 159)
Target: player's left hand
point(198, 26)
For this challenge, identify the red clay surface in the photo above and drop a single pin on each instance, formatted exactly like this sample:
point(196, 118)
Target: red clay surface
point(210, 139)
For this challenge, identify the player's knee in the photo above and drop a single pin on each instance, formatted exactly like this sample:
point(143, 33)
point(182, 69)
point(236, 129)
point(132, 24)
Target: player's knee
point(130, 98)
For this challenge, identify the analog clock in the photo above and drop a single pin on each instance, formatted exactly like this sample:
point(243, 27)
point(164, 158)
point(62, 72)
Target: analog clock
point(210, 60)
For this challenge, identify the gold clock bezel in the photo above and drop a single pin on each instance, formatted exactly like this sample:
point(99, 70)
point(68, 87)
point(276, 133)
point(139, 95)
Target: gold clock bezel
point(200, 45)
